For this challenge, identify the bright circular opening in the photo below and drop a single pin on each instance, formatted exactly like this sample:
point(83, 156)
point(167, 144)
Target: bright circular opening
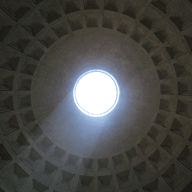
point(96, 93)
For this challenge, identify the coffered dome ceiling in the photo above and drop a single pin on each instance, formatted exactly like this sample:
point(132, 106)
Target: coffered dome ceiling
point(48, 144)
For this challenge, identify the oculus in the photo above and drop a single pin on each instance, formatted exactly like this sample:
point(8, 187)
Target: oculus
point(96, 93)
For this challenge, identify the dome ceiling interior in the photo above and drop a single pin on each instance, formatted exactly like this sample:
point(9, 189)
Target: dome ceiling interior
point(47, 144)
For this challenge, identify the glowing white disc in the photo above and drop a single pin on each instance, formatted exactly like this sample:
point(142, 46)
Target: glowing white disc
point(96, 93)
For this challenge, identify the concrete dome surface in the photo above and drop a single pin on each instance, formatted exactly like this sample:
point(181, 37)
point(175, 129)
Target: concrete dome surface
point(47, 144)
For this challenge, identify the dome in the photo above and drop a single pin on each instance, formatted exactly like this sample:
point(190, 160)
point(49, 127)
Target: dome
point(144, 143)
